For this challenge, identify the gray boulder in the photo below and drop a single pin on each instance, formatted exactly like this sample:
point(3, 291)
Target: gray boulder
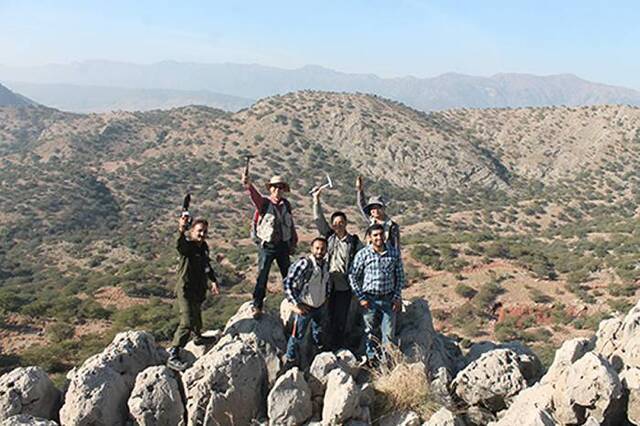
point(322, 365)
point(265, 336)
point(400, 418)
point(289, 401)
point(591, 388)
point(29, 391)
point(570, 351)
point(99, 389)
point(491, 381)
point(531, 417)
point(155, 399)
point(633, 406)
point(341, 400)
point(193, 351)
point(531, 401)
point(226, 386)
point(27, 420)
point(444, 417)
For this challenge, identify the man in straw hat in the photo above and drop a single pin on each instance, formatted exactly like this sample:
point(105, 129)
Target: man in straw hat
point(373, 212)
point(273, 231)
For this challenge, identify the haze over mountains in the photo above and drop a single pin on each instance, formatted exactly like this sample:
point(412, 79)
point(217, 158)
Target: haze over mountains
point(102, 85)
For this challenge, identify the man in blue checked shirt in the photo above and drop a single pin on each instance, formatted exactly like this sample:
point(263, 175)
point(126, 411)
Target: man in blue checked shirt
point(377, 279)
point(307, 288)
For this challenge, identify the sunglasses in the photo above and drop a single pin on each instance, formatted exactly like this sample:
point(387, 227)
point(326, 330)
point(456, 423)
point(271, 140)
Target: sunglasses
point(279, 186)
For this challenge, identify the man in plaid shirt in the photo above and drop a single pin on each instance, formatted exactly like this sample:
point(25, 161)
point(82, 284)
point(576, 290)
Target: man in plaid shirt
point(377, 279)
point(307, 289)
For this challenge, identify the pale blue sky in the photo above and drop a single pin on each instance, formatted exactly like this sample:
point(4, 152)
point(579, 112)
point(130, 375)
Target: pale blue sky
point(596, 40)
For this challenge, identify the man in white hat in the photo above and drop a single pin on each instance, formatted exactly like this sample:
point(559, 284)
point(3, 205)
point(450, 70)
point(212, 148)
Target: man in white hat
point(373, 212)
point(273, 231)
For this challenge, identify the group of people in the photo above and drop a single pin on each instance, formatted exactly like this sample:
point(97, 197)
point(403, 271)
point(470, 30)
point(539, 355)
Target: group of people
point(319, 286)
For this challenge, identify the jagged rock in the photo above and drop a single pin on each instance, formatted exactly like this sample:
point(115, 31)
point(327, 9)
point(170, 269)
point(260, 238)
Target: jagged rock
point(633, 406)
point(155, 399)
point(28, 390)
point(535, 399)
point(492, 380)
point(570, 351)
point(226, 386)
point(265, 336)
point(99, 389)
point(348, 361)
point(479, 416)
point(289, 402)
point(27, 420)
point(193, 351)
point(363, 414)
point(618, 339)
point(444, 417)
point(400, 418)
point(589, 389)
point(606, 336)
point(630, 377)
point(321, 366)
point(530, 364)
point(341, 399)
point(531, 417)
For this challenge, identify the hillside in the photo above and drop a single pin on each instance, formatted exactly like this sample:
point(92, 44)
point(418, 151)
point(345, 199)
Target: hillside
point(255, 81)
point(517, 223)
point(11, 99)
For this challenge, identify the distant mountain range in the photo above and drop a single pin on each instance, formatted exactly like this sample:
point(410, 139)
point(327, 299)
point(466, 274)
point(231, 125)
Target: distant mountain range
point(11, 99)
point(102, 85)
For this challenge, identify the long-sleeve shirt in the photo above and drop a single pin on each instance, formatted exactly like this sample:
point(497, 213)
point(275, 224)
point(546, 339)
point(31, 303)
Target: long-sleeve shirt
point(391, 229)
point(194, 269)
point(299, 278)
point(259, 201)
point(377, 274)
point(340, 250)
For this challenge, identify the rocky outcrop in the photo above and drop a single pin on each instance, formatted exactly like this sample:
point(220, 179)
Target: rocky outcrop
point(155, 399)
point(227, 386)
point(27, 420)
point(444, 417)
point(341, 399)
point(400, 418)
point(265, 336)
point(99, 389)
point(28, 391)
point(289, 402)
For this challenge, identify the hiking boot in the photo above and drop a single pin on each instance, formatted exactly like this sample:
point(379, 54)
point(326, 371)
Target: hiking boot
point(256, 311)
point(204, 340)
point(288, 364)
point(174, 362)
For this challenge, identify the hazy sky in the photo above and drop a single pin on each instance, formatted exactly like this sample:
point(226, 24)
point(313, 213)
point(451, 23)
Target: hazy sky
point(597, 40)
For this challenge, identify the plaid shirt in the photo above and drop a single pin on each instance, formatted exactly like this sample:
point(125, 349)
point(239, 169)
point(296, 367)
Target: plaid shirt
point(377, 274)
point(298, 276)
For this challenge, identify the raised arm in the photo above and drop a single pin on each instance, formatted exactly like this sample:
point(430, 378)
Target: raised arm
point(256, 198)
point(182, 245)
point(361, 200)
point(318, 216)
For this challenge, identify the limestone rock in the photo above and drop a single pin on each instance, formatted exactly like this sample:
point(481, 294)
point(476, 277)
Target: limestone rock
point(99, 389)
point(590, 388)
point(348, 361)
point(29, 391)
point(322, 365)
point(341, 399)
point(536, 398)
point(491, 381)
point(570, 351)
point(633, 406)
point(531, 417)
point(265, 336)
point(27, 420)
point(194, 351)
point(289, 402)
point(226, 386)
point(444, 417)
point(286, 316)
point(530, 365)
point(155, 399)
point(400, 418)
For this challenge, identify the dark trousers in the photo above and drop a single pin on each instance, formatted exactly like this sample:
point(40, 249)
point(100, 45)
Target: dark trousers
point(338, 310)
point(267, 253)
point(190, 321)
point(300, 324)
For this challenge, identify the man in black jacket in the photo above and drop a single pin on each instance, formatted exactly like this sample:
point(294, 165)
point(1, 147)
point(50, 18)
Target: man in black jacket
point(194, 271)
point(342, 248)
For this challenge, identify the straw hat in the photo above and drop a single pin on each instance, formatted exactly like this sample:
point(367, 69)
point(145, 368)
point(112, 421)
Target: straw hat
point(278, 180)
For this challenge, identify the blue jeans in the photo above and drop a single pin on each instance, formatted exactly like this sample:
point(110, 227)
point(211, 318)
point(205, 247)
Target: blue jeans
point(300, 324)
point(266, 255)
point(380, 314)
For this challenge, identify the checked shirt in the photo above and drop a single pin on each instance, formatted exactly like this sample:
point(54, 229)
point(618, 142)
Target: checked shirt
point(377, 274)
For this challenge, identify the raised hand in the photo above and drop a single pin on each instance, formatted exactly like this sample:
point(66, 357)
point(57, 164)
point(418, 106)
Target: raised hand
point(359, 184)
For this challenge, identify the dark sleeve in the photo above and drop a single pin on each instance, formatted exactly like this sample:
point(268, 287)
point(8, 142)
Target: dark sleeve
point(321, 222)
point(361, 201)
point(400, 281)
point(212, 274)
point(355, 275)
point(395, 236)
point(183, 246)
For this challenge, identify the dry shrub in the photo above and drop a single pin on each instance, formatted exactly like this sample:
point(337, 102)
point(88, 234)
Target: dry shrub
point(401, 385)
